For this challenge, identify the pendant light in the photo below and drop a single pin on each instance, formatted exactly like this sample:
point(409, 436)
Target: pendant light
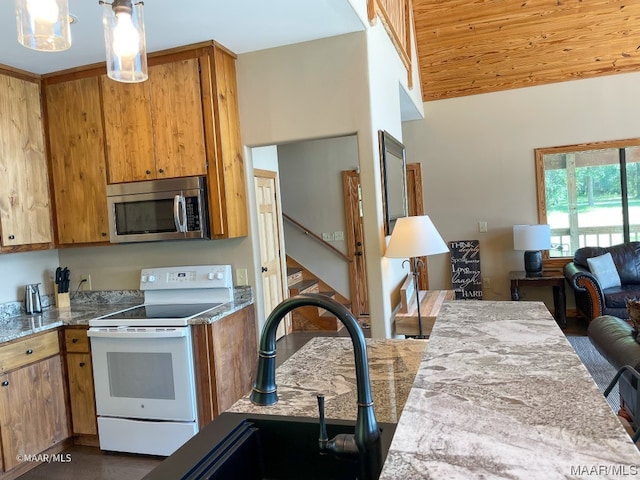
point(125, 42)
point(43, 24)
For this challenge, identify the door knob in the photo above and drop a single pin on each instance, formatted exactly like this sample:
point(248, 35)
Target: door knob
point(264, 269)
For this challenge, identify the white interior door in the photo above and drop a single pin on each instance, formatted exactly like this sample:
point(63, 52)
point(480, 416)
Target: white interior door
point(270, 244)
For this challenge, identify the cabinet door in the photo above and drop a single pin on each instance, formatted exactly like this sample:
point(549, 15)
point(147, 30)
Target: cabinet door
point(226, 181)
point(25, 213)
point(81, 394)
point(176, 112)
point(33, 414)
point(127, 125)
point(78, 161)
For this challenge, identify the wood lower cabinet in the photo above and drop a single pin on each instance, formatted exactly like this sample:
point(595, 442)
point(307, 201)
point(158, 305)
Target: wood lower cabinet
point(33, 413)
point(25, 212)
point(226, 360)
point(82, 399)
point(78, 170)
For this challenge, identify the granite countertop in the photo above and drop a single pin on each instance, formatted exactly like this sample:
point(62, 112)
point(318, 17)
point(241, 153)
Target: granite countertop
point(86, 306)
point(501, 394)
point(326, 365)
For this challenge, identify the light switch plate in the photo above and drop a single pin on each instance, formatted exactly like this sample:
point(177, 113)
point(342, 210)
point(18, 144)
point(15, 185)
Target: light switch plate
point(482, 226)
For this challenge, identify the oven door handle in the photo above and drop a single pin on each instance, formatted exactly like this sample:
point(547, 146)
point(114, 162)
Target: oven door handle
point(180, 210)
point(137, 333)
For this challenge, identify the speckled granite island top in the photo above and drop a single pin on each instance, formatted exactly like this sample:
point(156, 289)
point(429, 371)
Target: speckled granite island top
point(501, 394)
point(326, 365)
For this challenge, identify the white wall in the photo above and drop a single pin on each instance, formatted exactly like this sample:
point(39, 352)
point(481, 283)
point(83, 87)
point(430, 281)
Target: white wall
point(478, 160)
point(327, 88)
point(18, 269)
point(117, 267)
point(312, 194)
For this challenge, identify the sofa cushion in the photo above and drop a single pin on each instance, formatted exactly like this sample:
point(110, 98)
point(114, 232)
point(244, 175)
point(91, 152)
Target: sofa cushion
point(616, 297)
point(604, 270)
point(626, 257)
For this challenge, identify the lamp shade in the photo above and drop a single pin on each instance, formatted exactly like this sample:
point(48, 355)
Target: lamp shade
point(531, 237)
point(415, 237)
point(43, 25)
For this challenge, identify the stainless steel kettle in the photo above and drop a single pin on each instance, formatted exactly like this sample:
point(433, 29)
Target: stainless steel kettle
point(32, 302)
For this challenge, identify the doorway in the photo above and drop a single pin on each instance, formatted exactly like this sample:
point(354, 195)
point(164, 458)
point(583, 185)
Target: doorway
point(269, 228)
point(355, 243)
point(416, 207)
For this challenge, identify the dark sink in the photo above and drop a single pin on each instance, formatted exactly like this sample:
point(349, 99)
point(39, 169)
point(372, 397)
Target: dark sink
point(260, 447)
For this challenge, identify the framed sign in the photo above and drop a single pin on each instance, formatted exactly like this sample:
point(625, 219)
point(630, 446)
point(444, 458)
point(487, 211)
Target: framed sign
point(465, 269)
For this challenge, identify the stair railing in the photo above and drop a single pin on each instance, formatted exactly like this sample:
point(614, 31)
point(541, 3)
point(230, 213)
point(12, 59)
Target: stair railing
point(309, 233)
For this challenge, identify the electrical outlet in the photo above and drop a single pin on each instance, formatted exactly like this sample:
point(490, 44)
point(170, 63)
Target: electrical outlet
point(482, 227)
point(86, 284)
point(338, 236)
point(486, 282)
point(241, 276)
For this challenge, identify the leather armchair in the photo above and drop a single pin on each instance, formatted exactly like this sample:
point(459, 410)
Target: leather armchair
point(591, 300)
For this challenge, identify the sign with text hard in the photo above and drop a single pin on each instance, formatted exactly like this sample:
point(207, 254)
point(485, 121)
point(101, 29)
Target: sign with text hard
point(465, 269)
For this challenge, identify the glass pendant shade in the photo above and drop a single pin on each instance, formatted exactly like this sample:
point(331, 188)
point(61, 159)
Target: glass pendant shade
point(125, 43)
point(43, 24)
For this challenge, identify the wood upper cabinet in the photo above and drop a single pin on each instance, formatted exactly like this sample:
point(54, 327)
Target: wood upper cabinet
point(25, 214)
point(226, 174)
point(77, 160)
point(155, 129)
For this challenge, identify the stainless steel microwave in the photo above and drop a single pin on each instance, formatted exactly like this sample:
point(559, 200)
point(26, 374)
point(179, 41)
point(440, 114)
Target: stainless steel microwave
point(169, 209)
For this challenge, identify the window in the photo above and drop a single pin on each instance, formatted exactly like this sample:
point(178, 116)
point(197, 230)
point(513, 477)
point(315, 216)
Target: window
point(589, 194)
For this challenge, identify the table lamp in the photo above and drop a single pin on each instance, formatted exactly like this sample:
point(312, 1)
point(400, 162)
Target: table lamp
point(532, 239)
point(415, 237)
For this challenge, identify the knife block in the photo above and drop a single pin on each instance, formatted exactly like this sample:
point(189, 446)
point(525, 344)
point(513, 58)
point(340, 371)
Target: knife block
point(62, 299)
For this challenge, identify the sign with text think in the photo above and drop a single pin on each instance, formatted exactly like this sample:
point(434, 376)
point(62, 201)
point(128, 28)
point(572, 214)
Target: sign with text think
point(465, 269)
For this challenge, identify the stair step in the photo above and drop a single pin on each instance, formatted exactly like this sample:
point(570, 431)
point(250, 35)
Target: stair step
point(304, 286)
point(294, 275)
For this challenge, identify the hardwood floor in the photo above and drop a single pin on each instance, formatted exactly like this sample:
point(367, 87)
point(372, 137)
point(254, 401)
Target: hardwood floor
point(92, 463)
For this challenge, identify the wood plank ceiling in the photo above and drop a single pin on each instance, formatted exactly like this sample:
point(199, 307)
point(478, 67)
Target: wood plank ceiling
point(467, 47)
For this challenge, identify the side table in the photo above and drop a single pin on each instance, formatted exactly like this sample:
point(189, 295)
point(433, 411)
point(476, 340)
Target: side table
point(549, 278)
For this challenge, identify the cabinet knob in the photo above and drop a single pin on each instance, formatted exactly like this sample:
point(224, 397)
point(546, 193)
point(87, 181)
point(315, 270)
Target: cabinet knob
point(82, 364)
point(74, 340)
point(148, 172)
point(5, 383)
point(264, 269)
point(161, 170)
point(104, 234)
point(29, 352)
point(12, 237)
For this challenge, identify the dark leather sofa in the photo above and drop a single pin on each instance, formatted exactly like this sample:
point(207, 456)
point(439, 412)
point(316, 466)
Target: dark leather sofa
point(613, 338)
point(591, 300)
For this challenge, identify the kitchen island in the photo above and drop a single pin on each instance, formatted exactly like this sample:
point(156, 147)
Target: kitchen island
point(499, 393)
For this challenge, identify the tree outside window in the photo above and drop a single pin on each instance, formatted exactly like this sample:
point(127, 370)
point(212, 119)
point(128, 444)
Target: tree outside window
point(589, 194)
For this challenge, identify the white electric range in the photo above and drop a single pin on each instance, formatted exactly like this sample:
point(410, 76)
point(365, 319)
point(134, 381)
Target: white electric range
point(143, 359)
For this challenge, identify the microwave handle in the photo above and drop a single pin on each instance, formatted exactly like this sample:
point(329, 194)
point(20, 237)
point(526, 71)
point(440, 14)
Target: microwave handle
point(180, 210)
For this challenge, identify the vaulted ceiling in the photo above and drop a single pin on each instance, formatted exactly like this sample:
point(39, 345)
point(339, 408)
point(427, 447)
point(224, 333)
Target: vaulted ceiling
point(468, 47)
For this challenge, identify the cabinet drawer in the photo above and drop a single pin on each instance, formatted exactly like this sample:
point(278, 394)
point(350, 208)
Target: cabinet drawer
point(31, 349)
point(76, 340)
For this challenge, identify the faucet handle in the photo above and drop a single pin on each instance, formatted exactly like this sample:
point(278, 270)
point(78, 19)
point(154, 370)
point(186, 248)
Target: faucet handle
point(324, 439)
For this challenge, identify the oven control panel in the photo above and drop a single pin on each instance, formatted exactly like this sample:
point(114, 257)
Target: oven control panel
point(194, 276)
